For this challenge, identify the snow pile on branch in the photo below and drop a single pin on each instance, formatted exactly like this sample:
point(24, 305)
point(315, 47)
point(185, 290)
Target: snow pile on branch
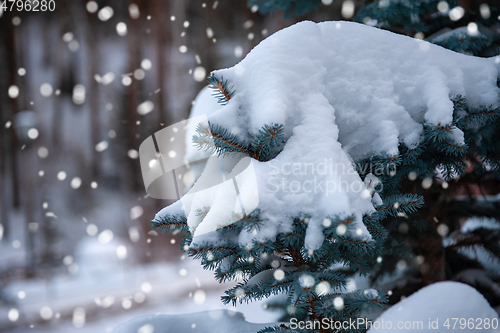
point(344, 92)
point(379, 87)
point(440, 307)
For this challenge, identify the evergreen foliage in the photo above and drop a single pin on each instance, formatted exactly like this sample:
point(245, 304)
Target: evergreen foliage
point(442, 22)
point(441, 174)
point(459, 40)
point(283, 265)
point(222, 90)
point(455, 182)
point(217, 139)
point(289, 7)
point(425, 193)
point(433, 19)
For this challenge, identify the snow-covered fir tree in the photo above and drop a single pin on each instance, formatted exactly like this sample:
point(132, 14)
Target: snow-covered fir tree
point(335, 121)
point(438, 243)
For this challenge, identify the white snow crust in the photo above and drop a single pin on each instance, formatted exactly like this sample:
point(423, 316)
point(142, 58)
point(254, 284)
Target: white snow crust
point(343, 91)
point(439, 302)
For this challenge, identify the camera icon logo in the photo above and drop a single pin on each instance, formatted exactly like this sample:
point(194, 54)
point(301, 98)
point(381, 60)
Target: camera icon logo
point(170, 172)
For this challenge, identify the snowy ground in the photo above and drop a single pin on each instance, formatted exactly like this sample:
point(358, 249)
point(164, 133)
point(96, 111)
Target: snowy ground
point(102, 282)
point(112, 297)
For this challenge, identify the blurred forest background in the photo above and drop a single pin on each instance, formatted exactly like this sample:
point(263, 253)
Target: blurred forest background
point(80, 88)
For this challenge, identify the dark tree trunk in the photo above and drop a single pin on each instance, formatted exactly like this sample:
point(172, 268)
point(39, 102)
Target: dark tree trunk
point(60, 73)
point(87, 23)
point(10, 46)
point(132, 97)
point(93, 92)
point(160, 10)
point(4, 139)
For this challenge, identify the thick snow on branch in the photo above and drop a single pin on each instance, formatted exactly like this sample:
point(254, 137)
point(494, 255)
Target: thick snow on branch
point(344, 92)
point(379, 87)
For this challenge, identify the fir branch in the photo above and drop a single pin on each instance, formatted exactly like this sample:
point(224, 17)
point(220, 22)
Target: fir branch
point(202, 213)
point(354, 241)
point(252, 221)
point(378, 232)
point(484, 238)
point(169, 224)
point(270, 138)
point(222, 90)
point(217, 139)
point(203, 139)
point(219, 252)
point(226, 142)
point(337, 279)
point(439, 137)
point(358, 301)
point(482, 114)
point(402, 203)
point(244, 292)
point(289, 7)
point(461, 41)
point(278, 329)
